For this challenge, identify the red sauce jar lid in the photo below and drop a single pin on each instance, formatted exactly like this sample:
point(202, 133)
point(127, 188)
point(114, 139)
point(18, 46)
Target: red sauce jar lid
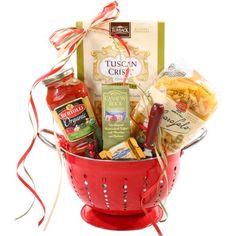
point(57, 77)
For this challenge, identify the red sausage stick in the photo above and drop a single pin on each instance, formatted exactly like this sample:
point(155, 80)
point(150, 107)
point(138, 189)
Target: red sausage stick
point(155, 117)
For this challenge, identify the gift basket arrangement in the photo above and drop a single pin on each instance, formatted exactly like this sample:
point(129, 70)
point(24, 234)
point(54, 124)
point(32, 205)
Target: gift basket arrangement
point(124, 123)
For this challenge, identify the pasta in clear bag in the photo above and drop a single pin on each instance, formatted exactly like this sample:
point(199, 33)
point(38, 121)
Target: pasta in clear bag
point(188, 102)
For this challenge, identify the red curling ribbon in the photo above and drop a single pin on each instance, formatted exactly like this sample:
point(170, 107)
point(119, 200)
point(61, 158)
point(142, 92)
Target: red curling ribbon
point(24, 156)
point(144, 196)
point(149, 192)
point(139, 125)
point(66, 41)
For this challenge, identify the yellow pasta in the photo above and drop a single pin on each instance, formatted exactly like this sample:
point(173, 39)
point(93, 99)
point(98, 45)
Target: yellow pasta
point(190, 91)
point(188, 104)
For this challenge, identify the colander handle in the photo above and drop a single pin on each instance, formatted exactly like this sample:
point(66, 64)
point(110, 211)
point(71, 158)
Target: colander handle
point(198, 139)
point(45, 140)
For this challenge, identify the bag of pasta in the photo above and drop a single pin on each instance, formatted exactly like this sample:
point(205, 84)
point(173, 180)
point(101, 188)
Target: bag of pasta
point(188, 103)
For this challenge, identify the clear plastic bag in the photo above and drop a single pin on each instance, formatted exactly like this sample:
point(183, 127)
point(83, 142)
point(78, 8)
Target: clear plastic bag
point(188, 102)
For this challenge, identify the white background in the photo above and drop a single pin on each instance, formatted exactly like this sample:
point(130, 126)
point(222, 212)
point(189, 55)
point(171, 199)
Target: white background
point(201, 32)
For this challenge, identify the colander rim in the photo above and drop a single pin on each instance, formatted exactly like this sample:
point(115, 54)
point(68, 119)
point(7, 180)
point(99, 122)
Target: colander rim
point(118, 161)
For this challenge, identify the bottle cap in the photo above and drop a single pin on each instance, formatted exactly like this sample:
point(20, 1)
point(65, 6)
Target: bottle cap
point(57, 77)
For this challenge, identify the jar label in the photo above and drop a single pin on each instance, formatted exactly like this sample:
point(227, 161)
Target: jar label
point(75, 118)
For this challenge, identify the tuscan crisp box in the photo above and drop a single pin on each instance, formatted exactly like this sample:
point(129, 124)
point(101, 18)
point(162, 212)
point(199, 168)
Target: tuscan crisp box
point(102, 60)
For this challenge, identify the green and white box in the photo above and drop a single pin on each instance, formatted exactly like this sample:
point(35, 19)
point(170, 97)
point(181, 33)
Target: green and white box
point(101, 59)
point(115, 114)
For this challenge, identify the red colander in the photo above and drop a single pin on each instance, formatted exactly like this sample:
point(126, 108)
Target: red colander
point(112, 190)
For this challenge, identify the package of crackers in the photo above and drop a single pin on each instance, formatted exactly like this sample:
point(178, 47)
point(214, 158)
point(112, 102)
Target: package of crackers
point(102, 60)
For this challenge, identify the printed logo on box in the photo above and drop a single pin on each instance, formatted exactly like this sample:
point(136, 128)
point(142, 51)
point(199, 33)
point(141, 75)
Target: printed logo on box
point(122, 29)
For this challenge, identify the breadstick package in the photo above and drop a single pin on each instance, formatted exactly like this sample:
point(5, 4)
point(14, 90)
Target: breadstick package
point(102, 60)
point(188, 103)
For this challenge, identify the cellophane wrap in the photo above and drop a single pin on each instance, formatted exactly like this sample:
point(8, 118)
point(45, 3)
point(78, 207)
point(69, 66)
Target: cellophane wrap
point(188, 102)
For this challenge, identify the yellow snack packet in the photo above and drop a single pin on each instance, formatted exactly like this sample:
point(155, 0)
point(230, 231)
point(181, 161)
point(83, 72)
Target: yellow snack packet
point(127, 150)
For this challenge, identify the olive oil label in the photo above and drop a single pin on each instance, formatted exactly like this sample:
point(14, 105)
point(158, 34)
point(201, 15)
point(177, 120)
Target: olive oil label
point(115, 114)
point(75, 118)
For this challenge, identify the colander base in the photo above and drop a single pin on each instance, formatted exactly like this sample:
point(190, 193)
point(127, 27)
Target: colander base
point(113, 222)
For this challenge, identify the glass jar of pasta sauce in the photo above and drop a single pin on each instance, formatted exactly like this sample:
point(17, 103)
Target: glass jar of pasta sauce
point(68, 99)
